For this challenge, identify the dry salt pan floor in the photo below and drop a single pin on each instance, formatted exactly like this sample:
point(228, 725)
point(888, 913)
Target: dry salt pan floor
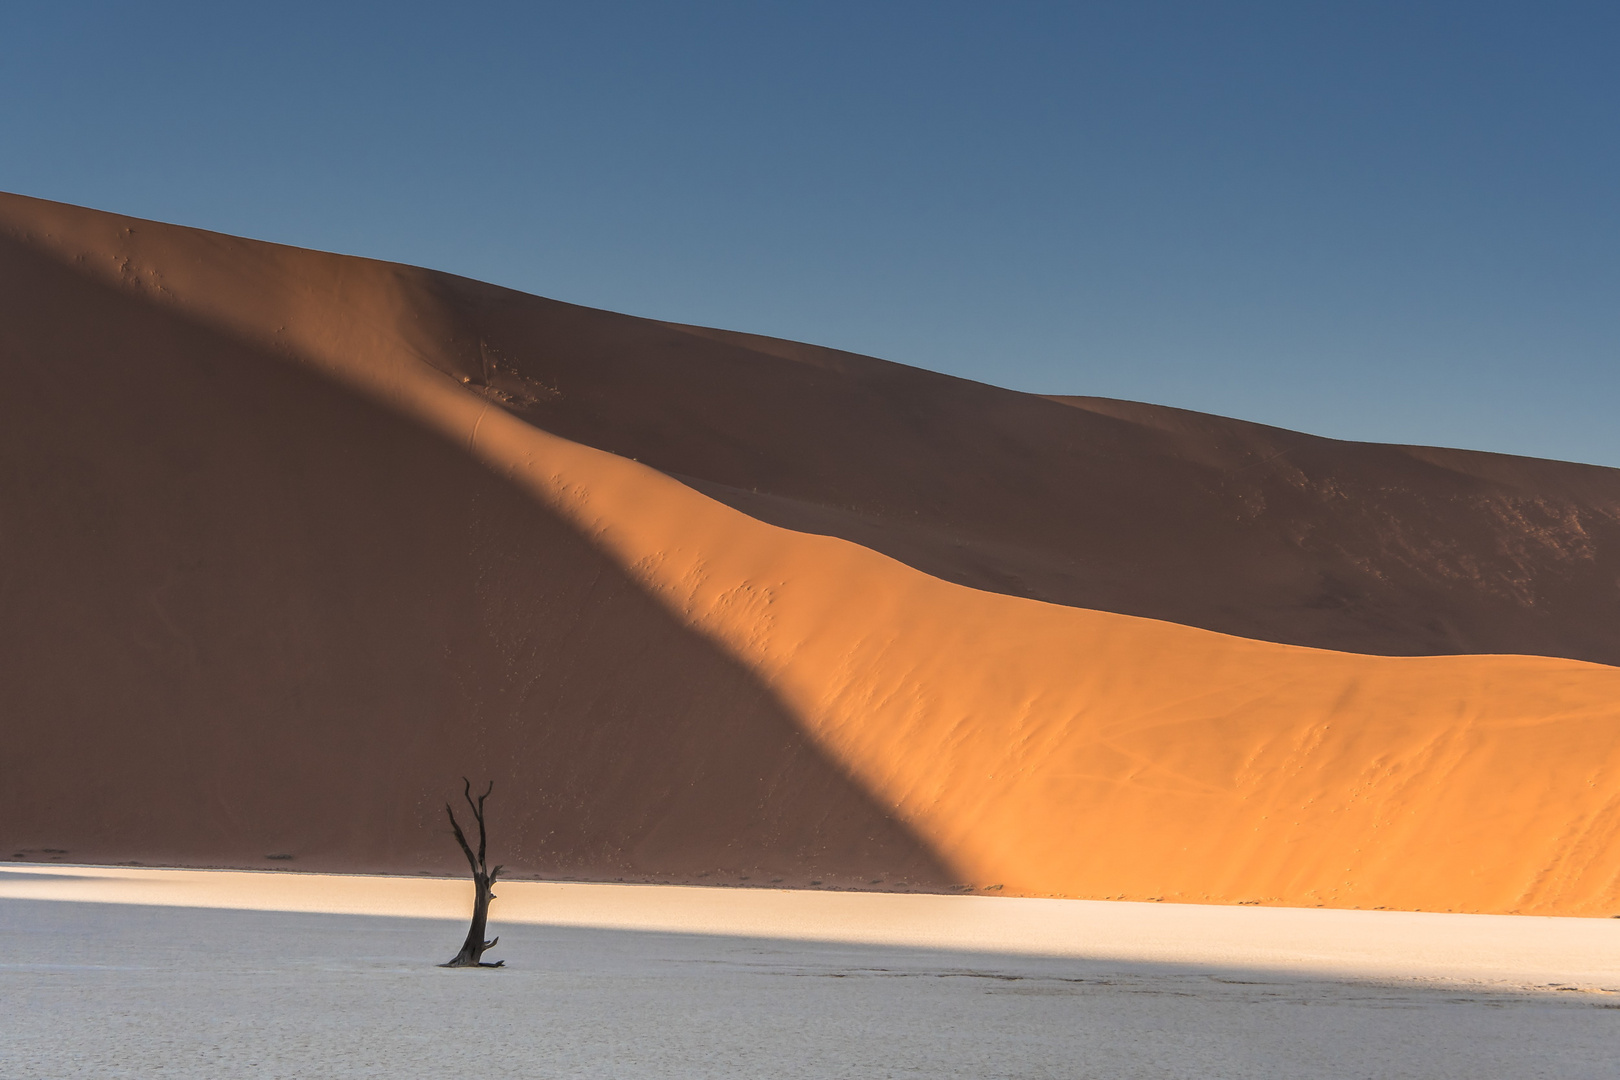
point(115, 973)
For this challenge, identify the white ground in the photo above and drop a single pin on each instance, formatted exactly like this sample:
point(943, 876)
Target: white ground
point(120, 972)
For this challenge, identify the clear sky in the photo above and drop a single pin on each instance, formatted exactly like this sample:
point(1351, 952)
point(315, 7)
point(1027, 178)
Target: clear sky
point(1388, 221)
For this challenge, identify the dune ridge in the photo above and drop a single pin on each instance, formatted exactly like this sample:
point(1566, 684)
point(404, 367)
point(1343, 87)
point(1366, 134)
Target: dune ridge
point(1118, 506)
point(1006, 742)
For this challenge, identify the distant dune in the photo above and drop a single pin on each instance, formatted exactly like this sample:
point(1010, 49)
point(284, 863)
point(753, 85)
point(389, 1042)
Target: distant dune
point(292, 541)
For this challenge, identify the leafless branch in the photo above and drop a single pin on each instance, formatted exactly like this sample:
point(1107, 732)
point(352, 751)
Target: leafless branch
point(473, 948)
point(461, 839)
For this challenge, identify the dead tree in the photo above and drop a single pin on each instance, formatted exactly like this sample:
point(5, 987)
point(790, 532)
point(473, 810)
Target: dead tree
point(483, 878)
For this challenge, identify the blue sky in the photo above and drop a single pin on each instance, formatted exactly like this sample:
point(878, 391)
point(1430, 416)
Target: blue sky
point(1397, 222)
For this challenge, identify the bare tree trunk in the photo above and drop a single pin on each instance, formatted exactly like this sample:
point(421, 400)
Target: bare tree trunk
point(472, 950)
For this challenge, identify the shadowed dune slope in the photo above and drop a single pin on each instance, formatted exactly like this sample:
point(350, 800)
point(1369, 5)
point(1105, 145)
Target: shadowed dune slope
point(290, 538)
point(1116, 506)
point(251, 613)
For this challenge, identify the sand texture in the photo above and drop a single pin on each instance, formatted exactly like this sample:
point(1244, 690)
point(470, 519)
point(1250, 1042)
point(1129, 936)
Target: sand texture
point(196, 974)
point(293, 540)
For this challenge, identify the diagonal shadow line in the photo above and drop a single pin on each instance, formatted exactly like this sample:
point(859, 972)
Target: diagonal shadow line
point(258, 613)
point(1071, 501)
point(755, 954)
point(129, 985)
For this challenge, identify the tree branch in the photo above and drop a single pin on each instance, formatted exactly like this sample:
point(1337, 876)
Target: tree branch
point(472, 950)
point(478, 812)
point(460, 839)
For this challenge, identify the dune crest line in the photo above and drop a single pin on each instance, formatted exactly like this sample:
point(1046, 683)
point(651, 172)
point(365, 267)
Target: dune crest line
point(1040, 749)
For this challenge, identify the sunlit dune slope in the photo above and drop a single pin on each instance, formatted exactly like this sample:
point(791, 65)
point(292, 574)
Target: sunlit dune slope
point(251, 612)
point(278, 568)
point(1117, 506)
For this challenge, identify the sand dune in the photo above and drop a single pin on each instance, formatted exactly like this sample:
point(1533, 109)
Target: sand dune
point(1111, 505)
point(299, 539)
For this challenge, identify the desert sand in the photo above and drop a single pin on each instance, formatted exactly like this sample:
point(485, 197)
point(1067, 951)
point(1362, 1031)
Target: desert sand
point(301, 539)
point(114, 972)
point(1498, 952)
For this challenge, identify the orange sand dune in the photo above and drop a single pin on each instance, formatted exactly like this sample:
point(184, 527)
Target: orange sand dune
point(1112, 505)
point(279, 569)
